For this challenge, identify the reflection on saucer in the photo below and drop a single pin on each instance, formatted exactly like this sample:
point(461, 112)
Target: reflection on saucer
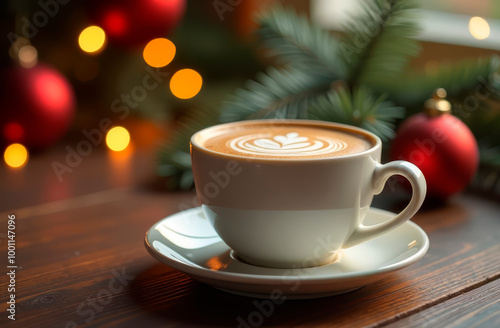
point(187, 242)
point(220, 262)
point(190, 231)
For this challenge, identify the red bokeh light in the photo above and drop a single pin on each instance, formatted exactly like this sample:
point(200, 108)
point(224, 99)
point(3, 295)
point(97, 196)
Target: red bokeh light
point(52, 92)
point(115, 23)
point(13, 132)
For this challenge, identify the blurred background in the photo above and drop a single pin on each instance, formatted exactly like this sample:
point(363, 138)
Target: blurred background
point(91, 86)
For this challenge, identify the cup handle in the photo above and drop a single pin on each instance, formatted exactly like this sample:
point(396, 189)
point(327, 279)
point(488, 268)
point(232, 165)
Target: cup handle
point(381, 173)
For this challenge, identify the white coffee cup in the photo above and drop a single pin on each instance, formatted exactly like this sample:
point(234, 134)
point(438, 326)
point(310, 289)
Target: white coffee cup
point(288, 213)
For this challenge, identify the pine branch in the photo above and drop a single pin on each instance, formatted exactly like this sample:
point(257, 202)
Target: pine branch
point(360, 108)
point(378, 43)
point(287, 93)
point(279, 93)
point(174, 157)
point(293, 39)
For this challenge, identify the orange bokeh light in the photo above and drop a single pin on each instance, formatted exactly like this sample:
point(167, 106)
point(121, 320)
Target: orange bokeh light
point(16, 155)
point(159, 52)
point(186, 83)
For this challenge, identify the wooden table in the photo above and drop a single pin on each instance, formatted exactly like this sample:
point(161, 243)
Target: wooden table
point(81, 261)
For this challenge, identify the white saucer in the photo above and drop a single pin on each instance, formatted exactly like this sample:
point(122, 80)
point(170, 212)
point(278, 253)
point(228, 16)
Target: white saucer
point(187, 242)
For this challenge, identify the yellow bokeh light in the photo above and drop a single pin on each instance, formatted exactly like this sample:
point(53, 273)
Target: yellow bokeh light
point(186, 83)
point(28, 56)
point(92, 39)
point(16, 155)
point(159, 52)
point(117, 138)
point(479, 28)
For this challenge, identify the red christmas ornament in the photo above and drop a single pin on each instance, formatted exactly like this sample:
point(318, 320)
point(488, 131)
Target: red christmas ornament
point(441, 145)
point(133, 23)
point(37, 106)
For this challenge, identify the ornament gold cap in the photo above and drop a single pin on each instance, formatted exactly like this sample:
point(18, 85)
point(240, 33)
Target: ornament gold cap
point(437, 105)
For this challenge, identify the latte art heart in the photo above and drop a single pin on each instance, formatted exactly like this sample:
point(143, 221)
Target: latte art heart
point(291, 144)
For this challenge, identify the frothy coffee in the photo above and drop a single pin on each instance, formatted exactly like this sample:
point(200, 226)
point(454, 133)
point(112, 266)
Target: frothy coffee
point(286, 141)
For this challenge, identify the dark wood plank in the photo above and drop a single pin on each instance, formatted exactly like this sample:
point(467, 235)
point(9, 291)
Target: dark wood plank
point(477, 308)
point(71, 253)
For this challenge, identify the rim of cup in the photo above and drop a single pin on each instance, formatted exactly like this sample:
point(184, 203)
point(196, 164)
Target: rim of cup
point(377, 142)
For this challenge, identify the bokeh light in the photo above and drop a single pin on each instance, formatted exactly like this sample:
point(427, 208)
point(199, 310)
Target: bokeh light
point(159, 52)
point(186, 83)
point(53, 92)
point(115, 22)
point(28, 56)
point(92, 39)
point(15, 155)
point(117, 138)
point(479, 28)
point(13, 132)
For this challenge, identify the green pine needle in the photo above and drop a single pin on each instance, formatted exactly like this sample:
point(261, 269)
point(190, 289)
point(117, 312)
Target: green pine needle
point(361, 108)
point(279, 93)
point(174, 159)
point(295, 40)
point(379, 42)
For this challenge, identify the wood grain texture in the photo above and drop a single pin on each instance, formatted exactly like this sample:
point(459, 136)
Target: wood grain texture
point(477, 308)
point(83, 263)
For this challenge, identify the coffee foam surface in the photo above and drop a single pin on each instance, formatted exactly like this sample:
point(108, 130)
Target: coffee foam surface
point(286, 141)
